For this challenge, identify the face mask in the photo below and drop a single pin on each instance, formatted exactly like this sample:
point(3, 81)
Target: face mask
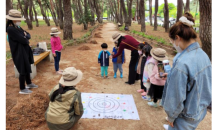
point(18, 23)
point(140, 52)
point(178, 49)
point(55, 35)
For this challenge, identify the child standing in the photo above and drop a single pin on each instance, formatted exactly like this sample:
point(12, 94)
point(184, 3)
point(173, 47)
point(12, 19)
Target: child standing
point(56, 48)
point(157, 84)
point(103, 59)
point(118, 61)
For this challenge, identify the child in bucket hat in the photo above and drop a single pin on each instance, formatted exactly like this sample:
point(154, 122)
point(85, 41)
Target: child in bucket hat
point(60, 114)
point(56, 48)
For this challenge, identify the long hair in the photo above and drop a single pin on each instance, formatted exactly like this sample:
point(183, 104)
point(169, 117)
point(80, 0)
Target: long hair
point(120, 40)
point(9, 22)
point(61, 90)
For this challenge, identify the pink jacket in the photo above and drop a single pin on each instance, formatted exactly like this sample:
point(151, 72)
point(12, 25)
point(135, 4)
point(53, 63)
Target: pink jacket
point(154, 78)
point(56, 44)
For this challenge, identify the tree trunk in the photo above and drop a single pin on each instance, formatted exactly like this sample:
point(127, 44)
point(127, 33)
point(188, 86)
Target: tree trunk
point(29, 23)
point(124, 12)
point(22, 12)
point(53, 12)
point(205, 26)
point(187, 6)
point(60, 14)
point(166, 16)
point(129, 12)
point(142, 15)
point(31, 10)
point(179, 9)
point(98, 11)
point(139, 19)
point(37, 23)
point(43, 13)
point(67, 20)
point(150, 11)
point(121, 14)
point(57, 10)
point(8, 6)
point(155, 15)
point(137, 11)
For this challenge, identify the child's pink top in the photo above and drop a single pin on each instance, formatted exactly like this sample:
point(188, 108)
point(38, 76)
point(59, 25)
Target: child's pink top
point(154, 78)
point(56, 44)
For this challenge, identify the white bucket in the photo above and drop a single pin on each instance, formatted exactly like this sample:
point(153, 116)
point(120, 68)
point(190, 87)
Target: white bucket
point(43, 45)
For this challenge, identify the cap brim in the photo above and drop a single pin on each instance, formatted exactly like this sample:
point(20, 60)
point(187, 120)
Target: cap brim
point(56, 33)
point(74, 82)
point(158, 58)
point(12, 18)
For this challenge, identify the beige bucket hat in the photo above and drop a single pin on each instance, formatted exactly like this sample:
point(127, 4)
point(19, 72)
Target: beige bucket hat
point(71, 77)
point(116, 36)
point(54, 30)
point(14, 14)
point(159, 54)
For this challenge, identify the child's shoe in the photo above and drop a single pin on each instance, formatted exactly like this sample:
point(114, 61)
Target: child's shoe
point(106, 77)
point(115, 75)
point(102, 77)
point(144, 94)
point(166, 126)
point(144, 97)
point(121, 75)
point(160, 103)
point(140, 90)
point(152, 104)
point(59, 72)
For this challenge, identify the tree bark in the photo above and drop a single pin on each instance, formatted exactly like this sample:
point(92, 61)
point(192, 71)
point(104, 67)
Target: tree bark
point(67, 20)
point(29, 23)
point(155, 15)
point(139, 18)
point(86, 13)
point(60, 14)
point(150, 11)
point(124, 12)
point(22, 12)
point(31, 10)
point(166, 16)
point(53, 12)
point(205, 26)
point(37, 23)
point(8, 6)
point(43, 13)
point(187, 6)
point(90, 2)
point(129, 12)
point(179, 9)
point(98, 11)
point(121, 14)
point(142, 15)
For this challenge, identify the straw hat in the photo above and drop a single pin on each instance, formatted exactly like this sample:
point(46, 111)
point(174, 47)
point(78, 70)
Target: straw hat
point(116, 36)
point(159, 54)
point(54, 30)
point(71, 77)
point(14, 14)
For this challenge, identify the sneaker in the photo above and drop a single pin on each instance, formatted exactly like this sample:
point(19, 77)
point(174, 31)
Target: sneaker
point(149, 99)
point(166, 126)
point(144, 98)
point(59, 72)
point(25, 91)
point(107, 77)
point(121, 75)
point(140, 90)
point(31, 86)
point(152, 104)
point(102, 77)
point(144, 94)
point(115, 75)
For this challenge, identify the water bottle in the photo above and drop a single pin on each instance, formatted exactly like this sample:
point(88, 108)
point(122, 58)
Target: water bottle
point(167, 67)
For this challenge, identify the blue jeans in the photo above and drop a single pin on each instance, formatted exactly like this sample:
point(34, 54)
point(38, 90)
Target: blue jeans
point(116, 66)
point(57, 60)
point(104, 70)
point(182, 123)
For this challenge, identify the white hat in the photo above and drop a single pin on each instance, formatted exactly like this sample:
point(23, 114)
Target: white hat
point(71, 77)
point(54, 30)
point(116, 36)
point(14, 14)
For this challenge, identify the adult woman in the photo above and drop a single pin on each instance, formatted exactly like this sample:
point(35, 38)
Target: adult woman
point(21, 52)
point(65, 107)
point(128, 42)
point(187, 92)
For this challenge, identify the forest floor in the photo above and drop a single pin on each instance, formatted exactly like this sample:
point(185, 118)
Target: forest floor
point(27, 111)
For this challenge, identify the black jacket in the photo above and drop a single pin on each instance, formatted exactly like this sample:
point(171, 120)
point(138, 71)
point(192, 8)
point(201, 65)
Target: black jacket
point(144, 58)
point(22, 54)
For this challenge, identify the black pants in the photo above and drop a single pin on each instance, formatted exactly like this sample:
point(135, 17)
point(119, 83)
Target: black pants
point(158, 92)
point(22, 79)
point(132, 66)
point(142, 86)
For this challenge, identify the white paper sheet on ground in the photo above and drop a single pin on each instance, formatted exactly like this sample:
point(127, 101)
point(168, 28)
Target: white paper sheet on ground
point(114, 106)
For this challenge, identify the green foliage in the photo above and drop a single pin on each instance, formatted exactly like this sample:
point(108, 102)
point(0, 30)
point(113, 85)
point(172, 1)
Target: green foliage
point(122, 28)
point(8, 55)
point(171, 7)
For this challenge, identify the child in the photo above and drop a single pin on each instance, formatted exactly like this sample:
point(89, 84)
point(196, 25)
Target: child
point(147, 71)
point(103, 59)
point(117, 62)
point(157, 84)
point(56, 48)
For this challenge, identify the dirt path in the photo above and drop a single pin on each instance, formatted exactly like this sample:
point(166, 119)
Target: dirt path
point(86, 61)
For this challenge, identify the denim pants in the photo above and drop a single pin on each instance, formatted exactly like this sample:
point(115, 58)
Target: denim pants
point(116, 66)
point(182, 123)
point(104, 70)
point(57, 60)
